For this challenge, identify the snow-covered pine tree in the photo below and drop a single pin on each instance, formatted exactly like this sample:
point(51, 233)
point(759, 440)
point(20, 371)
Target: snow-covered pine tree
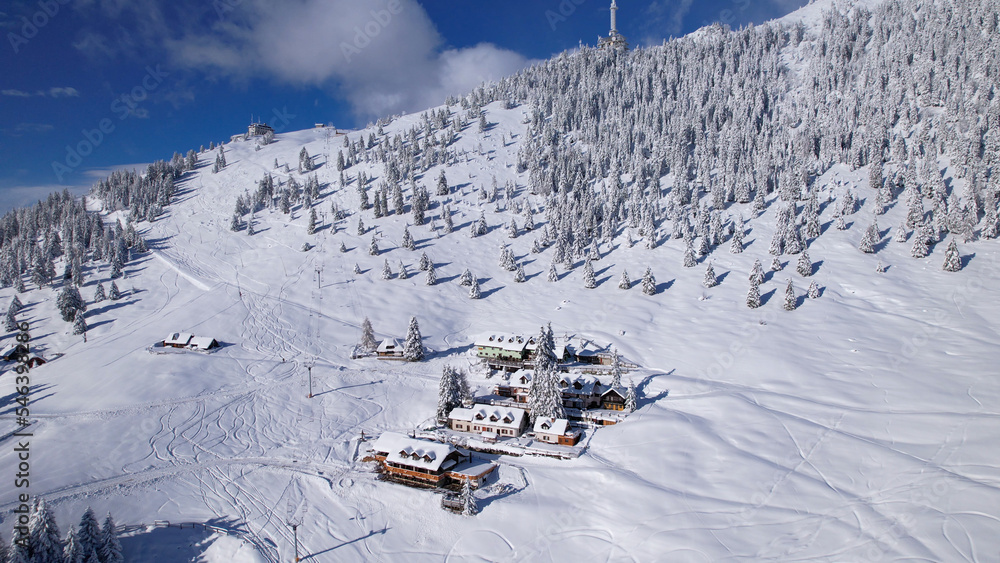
point(519, 274)
point(804, 266)
point(507, 261)
point(589, 281)
point(311, 226)
point(111, 549)
point(425, 262)
point(616, 369)
point(468, 499)
point(869, 240)
point(466, 278)
point(736, 243)
point(413, 348)
point(386, 270)
point(789, 296)
point(9, 325)
point(710, 279)
point(442, 184)
point(19, 553)
point(408, 239)
point(448, 393)
point(901, 233)
point(357, 269)
point(431, 277)
point(373, 247)
point(880, 268)
point(553, 274)
point(512, 229)
point(919, 249)
point(69, 302)
point(753, 294)
point(44, 537)
point(624, 282)
point(480, 228)
point(89, 532)
point(952, 259)
point(79, 323)
point(813, 290)
point(113, 293)
point(648, 282)
point(757, 272)
point(474, 292)
point(368, 344)
point(544, 396)
point(839, 223)
point(689, 258)
point(72, 553)
point(403, 274)
point(630, 397)
point(776, 265)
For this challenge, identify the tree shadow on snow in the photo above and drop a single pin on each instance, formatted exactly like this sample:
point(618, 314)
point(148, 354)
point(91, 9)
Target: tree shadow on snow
point(486, 293)
point(722, 277)
point(661, 287)
point(966, 259)
point(764, 298)
point(642, 399)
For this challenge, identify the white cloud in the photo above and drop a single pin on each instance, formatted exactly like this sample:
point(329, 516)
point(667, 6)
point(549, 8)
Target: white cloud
point(67, 92)
point(55, 92)
point(382, 56)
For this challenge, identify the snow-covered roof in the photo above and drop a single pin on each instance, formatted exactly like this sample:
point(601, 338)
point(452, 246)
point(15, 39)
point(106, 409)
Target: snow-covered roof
point(582, 383)
point(413, 452)
point(389, 345)
point(508, 342)
point(201, 342)
point(504, 417)
point(549, 425)
point(178, 338)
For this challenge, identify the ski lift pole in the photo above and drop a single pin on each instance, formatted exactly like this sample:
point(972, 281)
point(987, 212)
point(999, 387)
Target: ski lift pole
point(295, 535)
point(310, 370)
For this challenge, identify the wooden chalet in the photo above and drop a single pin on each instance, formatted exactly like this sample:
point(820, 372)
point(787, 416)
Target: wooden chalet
point(389, 348)
point(613, 399)
point(516, 387)
point(413, 461)
point(190, 341)
point(502, 421)
point(555, 431)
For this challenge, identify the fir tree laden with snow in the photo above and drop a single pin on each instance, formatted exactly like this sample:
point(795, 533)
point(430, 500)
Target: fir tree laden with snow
point(616, 369)
point(431, 277)
point(553, 274)
point(648, 282)
point(952, 259)
point(589, 281)
point(44, 538)
point(753, 294)
point(789, 297)
point(710, 279)
point(465, 279)
point(813, 290)
point(111, 549)
point(368, 344)
point(624, 282)
point(413, 348)
point(474, 292)
point(468, 500)
point(804, 266)
point(544, 396)
point(449, 394)
point(79, 323)
point(630, 397)
point(69, 302)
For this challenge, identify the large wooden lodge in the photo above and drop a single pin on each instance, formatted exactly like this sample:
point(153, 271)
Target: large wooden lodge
point(426, 464)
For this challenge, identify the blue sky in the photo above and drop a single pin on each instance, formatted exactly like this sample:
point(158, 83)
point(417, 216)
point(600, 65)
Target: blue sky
point(132, 81)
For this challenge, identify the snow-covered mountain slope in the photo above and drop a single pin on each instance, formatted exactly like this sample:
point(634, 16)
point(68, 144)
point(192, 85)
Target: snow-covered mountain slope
point(856, 427)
